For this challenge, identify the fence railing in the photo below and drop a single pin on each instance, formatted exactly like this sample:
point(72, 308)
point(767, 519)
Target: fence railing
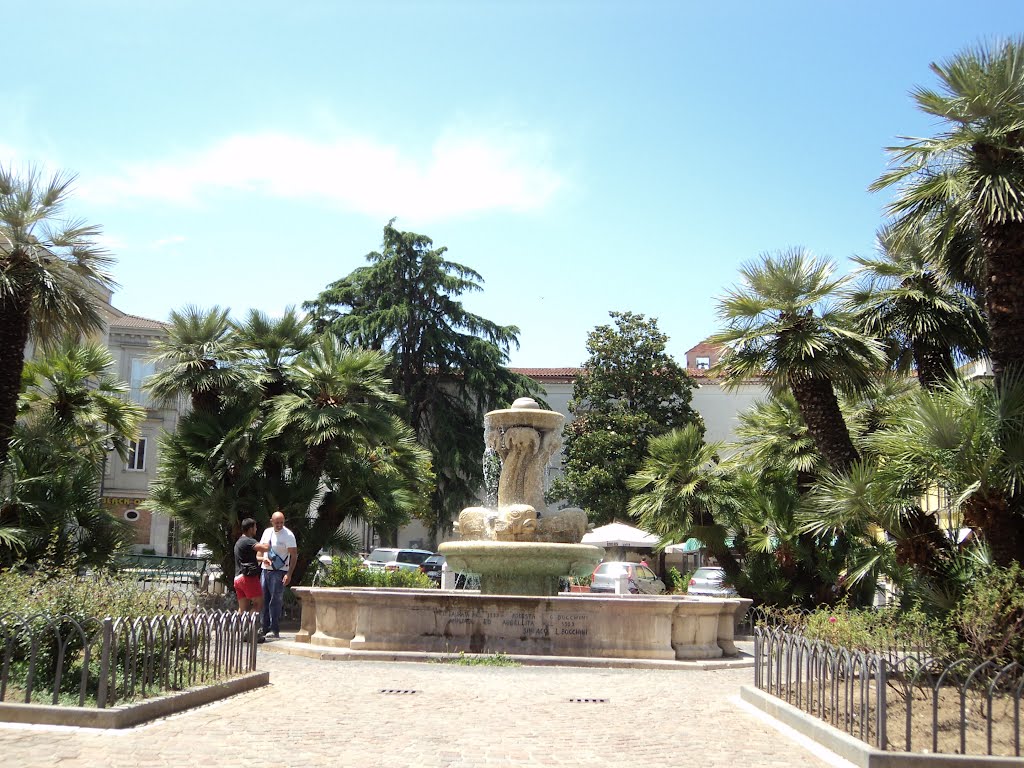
point(906, 701)
point(174, 570)
point(62, 660)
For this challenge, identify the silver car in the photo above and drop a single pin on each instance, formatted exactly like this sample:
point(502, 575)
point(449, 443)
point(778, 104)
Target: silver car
point(710, 582)
point(395, 559)
point(640, 579)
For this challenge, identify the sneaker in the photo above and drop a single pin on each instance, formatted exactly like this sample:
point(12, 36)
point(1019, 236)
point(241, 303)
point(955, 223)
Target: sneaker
point(260, 638)
point(276, 635)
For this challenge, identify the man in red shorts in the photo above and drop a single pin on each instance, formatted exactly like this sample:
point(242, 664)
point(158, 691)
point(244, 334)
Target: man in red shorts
point(247, 571)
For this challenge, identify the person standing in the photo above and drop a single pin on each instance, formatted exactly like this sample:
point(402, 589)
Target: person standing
point(278, 564)
point(247, 572)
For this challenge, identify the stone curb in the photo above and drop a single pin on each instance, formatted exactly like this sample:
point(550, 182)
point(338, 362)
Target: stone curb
point(856, 751)
point(743, 661)
point(129, 715)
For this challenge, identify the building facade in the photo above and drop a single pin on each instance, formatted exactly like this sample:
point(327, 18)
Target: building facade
point(126, 482)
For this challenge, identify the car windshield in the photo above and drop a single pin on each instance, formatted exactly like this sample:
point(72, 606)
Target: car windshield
point(382, 555)
point(710, 574)
point(611, 569)
point(435, 559)
point(412, 557)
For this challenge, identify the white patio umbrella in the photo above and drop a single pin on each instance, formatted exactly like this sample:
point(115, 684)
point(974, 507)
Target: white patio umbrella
point(619, 535)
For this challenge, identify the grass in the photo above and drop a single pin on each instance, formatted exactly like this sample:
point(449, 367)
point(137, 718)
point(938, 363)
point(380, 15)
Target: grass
point(481, 660)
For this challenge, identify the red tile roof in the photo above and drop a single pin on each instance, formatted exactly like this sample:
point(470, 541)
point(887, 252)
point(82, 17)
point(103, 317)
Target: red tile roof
point(135, 321)
point(548, 374)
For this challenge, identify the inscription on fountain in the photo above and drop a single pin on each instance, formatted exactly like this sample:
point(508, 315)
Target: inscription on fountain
point(523, 624)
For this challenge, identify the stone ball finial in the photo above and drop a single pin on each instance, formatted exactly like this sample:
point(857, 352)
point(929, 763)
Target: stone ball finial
point(525, 403)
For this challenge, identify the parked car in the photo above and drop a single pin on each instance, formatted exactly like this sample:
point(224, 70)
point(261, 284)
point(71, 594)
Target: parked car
point(640, 579)
point(432, 568)
point(710, 582)
point(394, 559)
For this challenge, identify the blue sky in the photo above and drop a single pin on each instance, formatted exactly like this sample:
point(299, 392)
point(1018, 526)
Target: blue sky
point(582, 156)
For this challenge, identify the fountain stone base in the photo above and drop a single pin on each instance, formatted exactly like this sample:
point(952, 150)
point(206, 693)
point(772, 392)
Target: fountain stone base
point(520, 567)
point(595, 626)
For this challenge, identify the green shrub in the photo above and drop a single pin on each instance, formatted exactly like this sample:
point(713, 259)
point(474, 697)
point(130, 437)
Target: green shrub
point(350, 572)
point(676, 582)
point(989, 619)
point(871, 630)
point(50, 604)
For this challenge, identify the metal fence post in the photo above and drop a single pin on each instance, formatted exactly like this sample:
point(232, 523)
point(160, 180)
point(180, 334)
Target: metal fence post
point(881, 688)
point(108, 632)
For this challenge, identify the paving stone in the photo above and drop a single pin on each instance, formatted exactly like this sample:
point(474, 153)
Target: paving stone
point(333, 714)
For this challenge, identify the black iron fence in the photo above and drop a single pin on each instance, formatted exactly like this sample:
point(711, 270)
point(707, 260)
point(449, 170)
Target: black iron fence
point(901, 699)
point(96, 662)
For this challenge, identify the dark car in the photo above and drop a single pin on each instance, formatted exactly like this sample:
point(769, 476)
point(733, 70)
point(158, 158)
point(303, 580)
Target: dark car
point(432, 568)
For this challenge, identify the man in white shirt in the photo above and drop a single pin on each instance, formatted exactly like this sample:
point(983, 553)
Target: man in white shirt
point(278, 565)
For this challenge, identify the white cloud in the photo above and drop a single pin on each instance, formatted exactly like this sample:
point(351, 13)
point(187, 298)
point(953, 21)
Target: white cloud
point(172, 240)
point(462, 174)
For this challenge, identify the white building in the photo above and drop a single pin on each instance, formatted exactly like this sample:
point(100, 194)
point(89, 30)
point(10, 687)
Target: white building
point(125, 485)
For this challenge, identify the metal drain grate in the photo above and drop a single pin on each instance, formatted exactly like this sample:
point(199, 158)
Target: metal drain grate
point(588, 701)
point(397, 691)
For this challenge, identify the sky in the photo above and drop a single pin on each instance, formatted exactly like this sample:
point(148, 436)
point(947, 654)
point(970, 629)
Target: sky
point(583, 157)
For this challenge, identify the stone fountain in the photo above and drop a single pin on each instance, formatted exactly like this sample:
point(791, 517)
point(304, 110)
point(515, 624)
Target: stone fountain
point(519, 546)
point(521, 549)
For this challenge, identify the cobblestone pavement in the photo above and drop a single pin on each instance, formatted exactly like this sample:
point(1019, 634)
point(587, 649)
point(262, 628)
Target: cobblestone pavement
point(330, 713)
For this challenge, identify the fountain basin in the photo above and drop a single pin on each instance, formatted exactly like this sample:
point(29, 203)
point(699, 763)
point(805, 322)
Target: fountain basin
point(597, 626)
point(521, 567)
point(534, 418)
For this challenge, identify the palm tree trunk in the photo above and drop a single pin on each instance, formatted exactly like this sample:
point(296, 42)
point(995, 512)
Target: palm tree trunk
point(934, 366)
point(819, 407)
point(921, 542)
point(1003, 246)
point(994, 518)
point(15, 321)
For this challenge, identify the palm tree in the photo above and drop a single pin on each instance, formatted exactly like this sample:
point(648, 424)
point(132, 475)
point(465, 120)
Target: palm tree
point(288, 421)
point(72, 410)
point(969, 179)
point(52, 275)
point(772, 439)
point(343, 416)
point(680, 492)
point(968, 439)
point(272, 344)
point(907, 297)
point(199, 358)
point(782, 326)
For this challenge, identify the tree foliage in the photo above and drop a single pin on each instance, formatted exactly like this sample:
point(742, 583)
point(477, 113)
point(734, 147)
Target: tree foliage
point(907, 298)
point(628, 391)
point(785, 325)
point(446, 363)
point(968, 180)
point(72, 410)
point(52, 273)
point(284, 419)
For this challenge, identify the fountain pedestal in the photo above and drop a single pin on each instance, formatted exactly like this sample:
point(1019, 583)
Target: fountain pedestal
point(519, 547)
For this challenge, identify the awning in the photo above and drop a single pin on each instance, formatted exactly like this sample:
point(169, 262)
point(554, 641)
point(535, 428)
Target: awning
point(694, 545)
point(690, 545)
point(619, 535)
